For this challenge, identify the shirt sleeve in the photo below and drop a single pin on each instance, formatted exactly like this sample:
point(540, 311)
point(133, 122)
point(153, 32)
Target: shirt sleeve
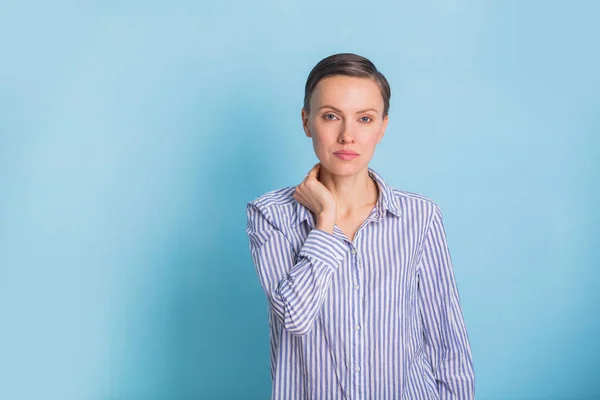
point(446, 341)
point(295, 285)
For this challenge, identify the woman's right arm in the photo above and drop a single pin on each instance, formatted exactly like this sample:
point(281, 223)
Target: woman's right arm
point(295, 285)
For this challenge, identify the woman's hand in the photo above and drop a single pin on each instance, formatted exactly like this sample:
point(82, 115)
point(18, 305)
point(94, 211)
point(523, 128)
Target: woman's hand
point(316, 197)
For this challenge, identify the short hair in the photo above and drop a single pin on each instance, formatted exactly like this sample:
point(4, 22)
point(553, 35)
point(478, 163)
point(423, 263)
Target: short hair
point(347, 64)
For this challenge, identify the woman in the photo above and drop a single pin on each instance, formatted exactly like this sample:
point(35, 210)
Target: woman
point(362, 298)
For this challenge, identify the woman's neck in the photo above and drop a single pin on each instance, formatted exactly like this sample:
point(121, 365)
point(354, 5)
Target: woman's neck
point(352, 193)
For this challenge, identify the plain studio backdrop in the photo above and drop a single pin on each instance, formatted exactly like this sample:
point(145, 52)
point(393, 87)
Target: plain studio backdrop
point(132, 134)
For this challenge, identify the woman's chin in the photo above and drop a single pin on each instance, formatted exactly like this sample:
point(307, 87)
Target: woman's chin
point(342, 168)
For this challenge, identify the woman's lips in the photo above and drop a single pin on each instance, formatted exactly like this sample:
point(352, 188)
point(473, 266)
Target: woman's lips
point(345, 156)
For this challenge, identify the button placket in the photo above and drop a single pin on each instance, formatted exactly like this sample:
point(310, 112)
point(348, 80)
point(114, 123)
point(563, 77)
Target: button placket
point(358, 312)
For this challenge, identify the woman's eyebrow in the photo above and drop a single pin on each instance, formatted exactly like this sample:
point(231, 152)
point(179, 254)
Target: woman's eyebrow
point(340, 111)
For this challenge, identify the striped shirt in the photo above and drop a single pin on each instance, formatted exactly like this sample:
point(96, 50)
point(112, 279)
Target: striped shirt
point(378, 317)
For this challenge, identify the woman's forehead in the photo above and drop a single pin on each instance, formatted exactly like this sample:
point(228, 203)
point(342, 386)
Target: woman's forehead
point(345, 91)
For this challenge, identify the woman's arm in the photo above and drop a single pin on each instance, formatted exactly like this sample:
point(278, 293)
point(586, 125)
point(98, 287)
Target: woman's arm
point(446, 340)
point(295, 285)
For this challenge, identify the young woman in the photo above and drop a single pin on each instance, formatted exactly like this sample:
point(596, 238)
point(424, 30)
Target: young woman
point(363, 302)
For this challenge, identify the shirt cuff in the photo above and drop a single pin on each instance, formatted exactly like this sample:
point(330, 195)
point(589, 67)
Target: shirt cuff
point(324, 247)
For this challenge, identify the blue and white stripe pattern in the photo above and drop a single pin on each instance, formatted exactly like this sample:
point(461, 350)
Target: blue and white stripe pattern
point(374, 318)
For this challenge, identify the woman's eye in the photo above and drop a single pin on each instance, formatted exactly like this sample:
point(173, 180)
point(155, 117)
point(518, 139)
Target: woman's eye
point(365, 119)
point(330, 117)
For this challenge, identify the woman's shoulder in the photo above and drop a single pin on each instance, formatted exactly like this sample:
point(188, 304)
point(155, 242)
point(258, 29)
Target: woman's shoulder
point(277, 197)
point(412, 202)
point(412, 196)
point(277, 205)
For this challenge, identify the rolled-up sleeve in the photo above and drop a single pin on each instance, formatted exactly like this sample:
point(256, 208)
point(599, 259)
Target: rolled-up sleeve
point(445, 335)
point(295, 284)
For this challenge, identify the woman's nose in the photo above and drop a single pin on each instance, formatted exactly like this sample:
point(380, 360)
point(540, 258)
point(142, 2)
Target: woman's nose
point(346, 135)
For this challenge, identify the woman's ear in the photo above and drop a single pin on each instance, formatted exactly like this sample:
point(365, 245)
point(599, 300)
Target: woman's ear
point(305, 122)
point(383, 128)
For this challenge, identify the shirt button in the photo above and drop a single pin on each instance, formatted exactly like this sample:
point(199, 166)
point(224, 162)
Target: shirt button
point(357, 328)
point(356, 287)
point(357, 369)
point(353, 251)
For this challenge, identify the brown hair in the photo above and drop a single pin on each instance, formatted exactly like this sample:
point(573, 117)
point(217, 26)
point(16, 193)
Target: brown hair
point(347, 64)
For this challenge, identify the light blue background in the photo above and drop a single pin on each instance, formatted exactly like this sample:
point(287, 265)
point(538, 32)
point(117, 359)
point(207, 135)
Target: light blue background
point(132, 134)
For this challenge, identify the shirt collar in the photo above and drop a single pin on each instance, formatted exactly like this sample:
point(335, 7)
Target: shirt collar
point(386, 201)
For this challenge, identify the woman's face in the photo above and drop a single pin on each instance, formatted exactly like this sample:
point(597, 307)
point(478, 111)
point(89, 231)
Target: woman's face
point(346, 113)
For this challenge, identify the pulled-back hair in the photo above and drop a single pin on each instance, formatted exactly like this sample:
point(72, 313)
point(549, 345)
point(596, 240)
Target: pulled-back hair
point(347, 64)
